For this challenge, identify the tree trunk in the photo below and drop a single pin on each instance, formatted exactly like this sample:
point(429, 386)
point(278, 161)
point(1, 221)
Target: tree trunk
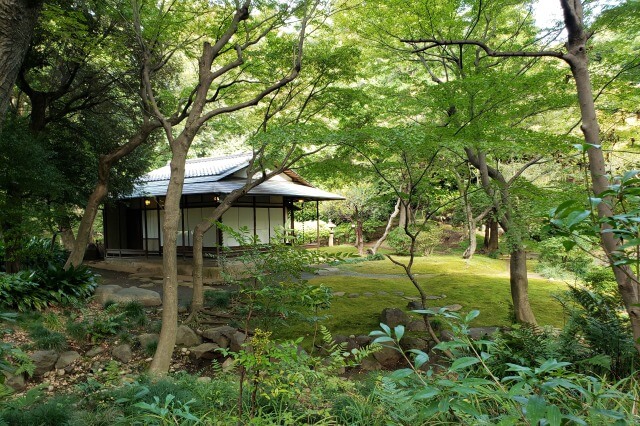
point(492, 244)
point(17, 21)
point(66, 235)
point(359, 237)
point(577, 58)
point(101, 190)
point(166, 343)
point(473, 244)
point(393, 215)
point(520, 287)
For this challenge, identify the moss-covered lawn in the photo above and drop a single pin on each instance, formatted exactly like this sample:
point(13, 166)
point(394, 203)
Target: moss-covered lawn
point(482, 284)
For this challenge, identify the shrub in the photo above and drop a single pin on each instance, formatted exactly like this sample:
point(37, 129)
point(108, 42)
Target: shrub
point(20, 291)
point(428, 238)
point(218, 299)
point(553, 253)
point(37, 253)
point(27, 290)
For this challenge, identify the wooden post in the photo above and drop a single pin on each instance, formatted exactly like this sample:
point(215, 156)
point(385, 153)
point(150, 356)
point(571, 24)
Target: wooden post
point(146, 231)
point(318, 223)
point(159, 230)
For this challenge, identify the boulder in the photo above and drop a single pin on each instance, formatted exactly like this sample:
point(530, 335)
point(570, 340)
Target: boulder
point(414, 343)
point(454, 307)
point(415, 305)
point(393, 317)
point(204, 351)
point(370, 363)
point(66, 360)
point(215, 333)
point(417, 325)
point(388, 357)
point(187, 337)
point(148, 339)
point(43, 361)
point(103, 292)
point(477, 333)
point(122, 353)
point(15, 382)
point(364, 340)
point(134, 294)
point(236, 341)
point(96, 350)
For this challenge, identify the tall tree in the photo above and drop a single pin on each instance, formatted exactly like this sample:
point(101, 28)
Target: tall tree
point(575, 54)
point(220, 89)
point(17, 20)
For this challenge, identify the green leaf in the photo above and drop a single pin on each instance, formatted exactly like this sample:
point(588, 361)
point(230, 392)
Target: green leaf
point(554, 416)
point(463, 362)
point(399, 330)
point(471, 316)
point(568, 244)
point(536, 408)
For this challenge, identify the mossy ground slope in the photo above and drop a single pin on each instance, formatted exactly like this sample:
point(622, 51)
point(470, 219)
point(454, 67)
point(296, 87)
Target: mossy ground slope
point(482, 283)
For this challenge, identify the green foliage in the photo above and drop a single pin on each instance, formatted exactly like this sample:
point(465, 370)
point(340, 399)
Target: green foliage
point(429, 237)
point(553, 254)
point(547, 393)
point(37, 253)
point(115, 319)
point(43, 338)
point(20, 291)
point(12, 359)
point(28, 290)
point(598, 328)
point(218, 299)
point(271, 288)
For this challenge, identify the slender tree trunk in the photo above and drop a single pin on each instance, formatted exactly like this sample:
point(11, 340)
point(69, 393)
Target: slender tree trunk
point(520, 287)
point(393, 215)
point(17, 21)
point(487, 236)
point(494, 234)
point(577, 58)
point(167, 340)
point(100, 191)
point(471, 231)
point(66, 235)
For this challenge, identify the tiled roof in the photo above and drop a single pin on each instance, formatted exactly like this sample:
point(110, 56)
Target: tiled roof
point(213, 168)
point(206, 175)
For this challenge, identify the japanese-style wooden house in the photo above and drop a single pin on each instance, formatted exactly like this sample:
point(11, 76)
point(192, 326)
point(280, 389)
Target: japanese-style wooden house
point(133, 225)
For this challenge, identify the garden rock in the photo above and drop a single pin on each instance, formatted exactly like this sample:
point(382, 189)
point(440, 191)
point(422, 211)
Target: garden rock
point(453, 308)
point(414, 343)
point(134, 294)
point(370, 364)
point(363, 340)
point(236, 341)
point(43, 361)
point(215, 333)
point(15, 382)
point(187, 337)
point(66, 359)
point(417, 325)
point(122, 353)
point(477, 333)
point(103, 292)
point(148, 339)
point(204, 351)
point(388, 357)
point(415, 305)
point(94, 351)
point(393, 317)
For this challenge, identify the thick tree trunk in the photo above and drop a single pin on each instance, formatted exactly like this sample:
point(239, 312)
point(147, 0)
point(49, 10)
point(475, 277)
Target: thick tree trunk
point(577, 58)
point(17, 21)
point(520, 287)
point(392, 216)
point(166, 343)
